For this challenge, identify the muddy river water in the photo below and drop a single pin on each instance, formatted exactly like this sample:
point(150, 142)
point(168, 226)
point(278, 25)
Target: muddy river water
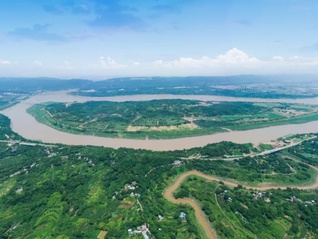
point(26, 125)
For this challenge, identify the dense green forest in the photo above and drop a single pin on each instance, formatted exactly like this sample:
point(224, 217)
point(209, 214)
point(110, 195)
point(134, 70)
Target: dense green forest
point(59, 191)
point(240, 213)
point(167, 118)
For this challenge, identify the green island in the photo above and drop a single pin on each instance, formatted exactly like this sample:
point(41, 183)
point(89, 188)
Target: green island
point(66, 192)
point(160, 119)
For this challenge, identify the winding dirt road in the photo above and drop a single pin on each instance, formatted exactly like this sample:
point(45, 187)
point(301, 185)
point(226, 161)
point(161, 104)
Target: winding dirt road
point(201, 217)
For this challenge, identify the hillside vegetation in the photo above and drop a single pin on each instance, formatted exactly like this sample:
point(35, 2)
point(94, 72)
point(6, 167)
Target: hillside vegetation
point(59, 191)
point(167, 118)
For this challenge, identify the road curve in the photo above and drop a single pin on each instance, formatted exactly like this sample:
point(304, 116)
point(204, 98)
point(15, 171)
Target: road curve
point(201, 217)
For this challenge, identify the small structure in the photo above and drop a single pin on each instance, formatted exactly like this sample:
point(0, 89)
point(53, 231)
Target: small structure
point(144, 230)
point(183, 217)
point(177, 163)
point(141, 229)
point(130, 186)
point(257, 195)
point(20, 190)
point(130, 232)
point(160, 217)
point(278, 144)
point(223, 194)
point(293, 199)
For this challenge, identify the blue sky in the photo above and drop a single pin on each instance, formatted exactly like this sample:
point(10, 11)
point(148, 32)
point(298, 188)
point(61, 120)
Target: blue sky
point(99, 39)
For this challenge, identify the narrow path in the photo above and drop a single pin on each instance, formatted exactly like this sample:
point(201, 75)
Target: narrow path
point(141, 208)
point(233, 225)
point(48, 112)
point(217, 203)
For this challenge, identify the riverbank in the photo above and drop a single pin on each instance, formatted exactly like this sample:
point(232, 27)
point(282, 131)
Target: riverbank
point(156, 121)
point(25, 125)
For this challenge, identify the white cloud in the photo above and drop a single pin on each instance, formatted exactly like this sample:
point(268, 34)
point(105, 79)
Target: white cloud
point(232, 57)
point(278, 58)
point(232, 62)
point(38, 63)
point(4, 62)
point(236, 56)
point(236, 61)
point(110, 63)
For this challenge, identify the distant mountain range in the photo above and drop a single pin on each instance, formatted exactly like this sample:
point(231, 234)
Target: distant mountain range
point(272, 86)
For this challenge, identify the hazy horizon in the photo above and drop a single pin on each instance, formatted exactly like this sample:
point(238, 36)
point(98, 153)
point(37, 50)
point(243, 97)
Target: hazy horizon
point(95, 39)
point(290, 77)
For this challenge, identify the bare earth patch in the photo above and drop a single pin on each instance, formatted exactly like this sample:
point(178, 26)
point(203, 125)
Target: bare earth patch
point(190, 126)
point(102, 234)
point(126, 204)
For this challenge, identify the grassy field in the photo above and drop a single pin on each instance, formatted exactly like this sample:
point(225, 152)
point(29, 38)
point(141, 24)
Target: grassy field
point(160, 119)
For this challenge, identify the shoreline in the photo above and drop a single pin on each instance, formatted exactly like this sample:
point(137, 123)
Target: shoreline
point(26, 125)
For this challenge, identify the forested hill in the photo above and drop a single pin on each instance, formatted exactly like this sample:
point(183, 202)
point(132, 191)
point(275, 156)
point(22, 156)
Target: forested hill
point(261, 86)
point(237, 86)
point(21, 85)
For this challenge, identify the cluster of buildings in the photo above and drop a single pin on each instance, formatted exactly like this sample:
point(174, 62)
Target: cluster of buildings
point(295, 199)
point(129, 187)
point(224, 196)
point(24, 170)
point(143, 229)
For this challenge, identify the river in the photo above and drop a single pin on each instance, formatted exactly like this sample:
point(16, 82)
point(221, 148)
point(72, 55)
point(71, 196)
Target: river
point(26, 125)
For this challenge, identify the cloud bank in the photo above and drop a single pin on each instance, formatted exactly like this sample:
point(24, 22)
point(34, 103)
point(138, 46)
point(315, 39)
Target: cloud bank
point(232, 62)
point(236, 61)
